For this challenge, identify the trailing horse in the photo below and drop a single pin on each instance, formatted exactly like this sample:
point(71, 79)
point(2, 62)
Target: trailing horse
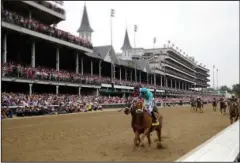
point(214, 104)
point(199, 105)
point(223, 106)
point(234, 111)
point(193, 104)
point(142, 123)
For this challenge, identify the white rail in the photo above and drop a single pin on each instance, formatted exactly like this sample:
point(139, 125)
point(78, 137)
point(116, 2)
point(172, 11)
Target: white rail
point(223, 147)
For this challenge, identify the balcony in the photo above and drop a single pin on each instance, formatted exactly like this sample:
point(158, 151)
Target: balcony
point(181, 60)
point(169, 71)
point(18, 23)
point(39, 10)
point(179, 67)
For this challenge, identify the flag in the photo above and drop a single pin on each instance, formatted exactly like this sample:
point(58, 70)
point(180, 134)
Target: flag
point(164, 45)
point(217, 69)
point(169, 41)
point(112, 12)
point(135, 28)
point(213, 66)
point(154, 40)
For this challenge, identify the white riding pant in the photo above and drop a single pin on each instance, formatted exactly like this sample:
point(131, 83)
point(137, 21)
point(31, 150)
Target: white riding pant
point(149, 105)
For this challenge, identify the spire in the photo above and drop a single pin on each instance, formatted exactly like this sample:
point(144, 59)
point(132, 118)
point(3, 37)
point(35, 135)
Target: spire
point(85, 25)
point(126, 43)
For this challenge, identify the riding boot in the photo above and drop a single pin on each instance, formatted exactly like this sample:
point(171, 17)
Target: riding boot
point(154, 117)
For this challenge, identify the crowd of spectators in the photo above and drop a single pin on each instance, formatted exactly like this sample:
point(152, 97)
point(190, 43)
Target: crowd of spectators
point(51, 6)
point(11, 69)
point(42, 73)
point(39, 104)
point(14, 18)
point(42, 104)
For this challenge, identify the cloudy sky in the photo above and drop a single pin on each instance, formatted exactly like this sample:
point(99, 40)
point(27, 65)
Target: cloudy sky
point(208, 31)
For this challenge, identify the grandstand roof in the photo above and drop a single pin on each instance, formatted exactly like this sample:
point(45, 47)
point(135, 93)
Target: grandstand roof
point(101, 52)
point(126, 43)
point(144, 65)
point(85, 25)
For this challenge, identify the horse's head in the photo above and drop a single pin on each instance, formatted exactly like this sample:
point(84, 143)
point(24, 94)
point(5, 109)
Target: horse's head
point(138, 109)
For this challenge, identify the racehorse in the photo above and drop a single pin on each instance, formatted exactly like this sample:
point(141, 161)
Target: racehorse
point(223, 107)
point(199, 105)
point(214, 104)
point(234, 111)
point(193, 104)
point(142, 123)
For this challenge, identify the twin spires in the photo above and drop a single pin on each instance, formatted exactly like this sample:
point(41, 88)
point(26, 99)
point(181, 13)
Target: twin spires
point(85, 29)
point(126, 42)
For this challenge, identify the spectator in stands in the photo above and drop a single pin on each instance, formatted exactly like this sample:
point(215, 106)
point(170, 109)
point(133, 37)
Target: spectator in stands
point(14, 18)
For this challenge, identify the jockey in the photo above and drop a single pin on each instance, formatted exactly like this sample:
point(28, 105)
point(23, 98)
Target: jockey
point(233, 99)
point(148, 99)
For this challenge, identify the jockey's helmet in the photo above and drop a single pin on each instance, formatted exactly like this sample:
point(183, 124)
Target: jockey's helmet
point(137, 87)
point(136, 90)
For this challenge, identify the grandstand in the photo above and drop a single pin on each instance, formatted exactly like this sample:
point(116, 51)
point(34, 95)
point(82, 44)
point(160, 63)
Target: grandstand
point(38, 57)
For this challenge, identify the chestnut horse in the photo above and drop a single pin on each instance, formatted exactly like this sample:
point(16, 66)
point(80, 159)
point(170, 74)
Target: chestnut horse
point(142, 123)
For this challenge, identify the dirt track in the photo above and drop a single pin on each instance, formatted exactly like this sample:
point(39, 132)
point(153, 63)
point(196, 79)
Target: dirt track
point(105, 136)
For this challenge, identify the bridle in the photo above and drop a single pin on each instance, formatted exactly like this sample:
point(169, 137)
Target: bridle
point(139, 107)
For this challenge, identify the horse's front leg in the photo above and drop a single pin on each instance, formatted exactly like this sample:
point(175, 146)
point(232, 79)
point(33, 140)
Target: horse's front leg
point(146, 132)
point(135, 140)
point(149, 141)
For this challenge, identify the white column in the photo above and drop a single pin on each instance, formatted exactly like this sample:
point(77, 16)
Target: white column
point(161, 80)
point(30, 89)
point(125, 73)
point(91, 68)
point(97, 92)
point(57, 87)
point(120, 74)
point(30, 18)
point(77, 63)
point(79, 91)
point(33, 56)
point(100, 68)
point(5, 48)
point(82, 66)
point(154, 78)
point(57, 59)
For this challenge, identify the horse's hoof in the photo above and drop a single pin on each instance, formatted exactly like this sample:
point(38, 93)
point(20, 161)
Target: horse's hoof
point(159, 145)
point(148, 149)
